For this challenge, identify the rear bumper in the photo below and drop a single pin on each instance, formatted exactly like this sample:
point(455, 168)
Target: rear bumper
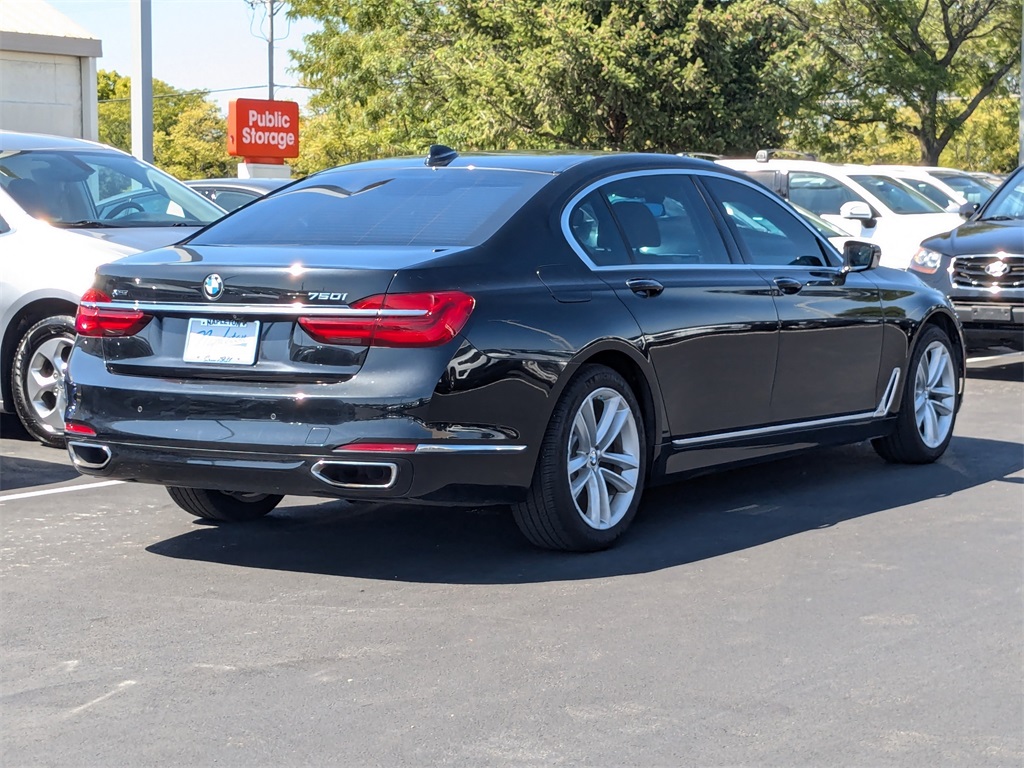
point(469, 474)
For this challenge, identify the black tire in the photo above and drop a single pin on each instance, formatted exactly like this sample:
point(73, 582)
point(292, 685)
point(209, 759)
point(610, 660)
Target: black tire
point(222, 506)
point(550, 517)
point(906, 444)
point(42, 354)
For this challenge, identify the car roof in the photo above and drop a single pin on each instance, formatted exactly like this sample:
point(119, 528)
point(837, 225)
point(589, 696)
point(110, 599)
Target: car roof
point(542, 162)
point(13, 141)
point(782, 164)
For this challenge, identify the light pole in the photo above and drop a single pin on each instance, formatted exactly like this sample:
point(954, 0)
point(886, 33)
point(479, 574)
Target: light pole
point(272, 8)
point(142, 80)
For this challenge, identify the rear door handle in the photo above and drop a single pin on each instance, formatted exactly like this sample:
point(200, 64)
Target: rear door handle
point(788, 285)
point(645, 287)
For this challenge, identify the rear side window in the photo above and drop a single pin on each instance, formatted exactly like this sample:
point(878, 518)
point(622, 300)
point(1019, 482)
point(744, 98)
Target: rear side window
point(653, 219)
point(899, 197)
point(408, 206)
point(767, 231)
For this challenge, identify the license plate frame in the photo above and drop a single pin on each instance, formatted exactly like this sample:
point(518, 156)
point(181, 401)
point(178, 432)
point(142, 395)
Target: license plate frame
point(216, 341)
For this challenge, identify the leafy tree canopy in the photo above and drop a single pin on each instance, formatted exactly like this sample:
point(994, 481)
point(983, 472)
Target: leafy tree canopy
point(393, 76)
point(188, 130)
point(905, 69)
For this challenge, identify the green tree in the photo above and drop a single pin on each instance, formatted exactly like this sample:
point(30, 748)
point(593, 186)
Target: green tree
point(188, 130)
point(392, 76)
point(919, 68)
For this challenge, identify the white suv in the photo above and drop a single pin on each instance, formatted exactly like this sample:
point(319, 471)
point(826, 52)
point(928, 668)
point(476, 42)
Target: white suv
point(67, 206)
point(860, 199)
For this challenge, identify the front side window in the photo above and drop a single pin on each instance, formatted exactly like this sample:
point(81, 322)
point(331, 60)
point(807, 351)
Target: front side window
point(819, 193)
point(98, 188)
point(930, 191)
point(973, 190)
point(383, 206)
point(898, 197)
point(767, 231)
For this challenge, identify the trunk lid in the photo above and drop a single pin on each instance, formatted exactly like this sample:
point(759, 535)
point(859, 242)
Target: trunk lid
point(228, 312)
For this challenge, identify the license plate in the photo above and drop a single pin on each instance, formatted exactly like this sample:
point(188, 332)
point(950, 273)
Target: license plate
point(227, 342)
point(993, 314)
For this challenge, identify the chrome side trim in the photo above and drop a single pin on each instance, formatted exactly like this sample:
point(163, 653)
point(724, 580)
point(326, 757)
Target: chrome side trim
point(441, 448)
point(885, 404)
point(289, 310)
point(774, 429)
point(888, 396)
point(78, 461)
point(320, 465)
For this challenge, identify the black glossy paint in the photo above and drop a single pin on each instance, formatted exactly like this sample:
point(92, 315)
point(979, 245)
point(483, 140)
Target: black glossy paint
point(713, 349)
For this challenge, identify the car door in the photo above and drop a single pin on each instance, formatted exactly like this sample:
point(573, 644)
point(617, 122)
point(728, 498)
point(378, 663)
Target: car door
point(710, 325)
point(831, 324)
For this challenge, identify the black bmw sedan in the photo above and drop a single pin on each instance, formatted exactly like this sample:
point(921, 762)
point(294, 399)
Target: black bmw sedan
point(555, 332)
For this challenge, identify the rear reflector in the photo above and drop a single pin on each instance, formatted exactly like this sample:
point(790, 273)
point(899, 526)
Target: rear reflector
point(79, 429)
point(402, 320)
point(103, 322)
point(377, 447)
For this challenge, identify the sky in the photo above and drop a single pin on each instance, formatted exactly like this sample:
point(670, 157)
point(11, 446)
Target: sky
point(209, 44)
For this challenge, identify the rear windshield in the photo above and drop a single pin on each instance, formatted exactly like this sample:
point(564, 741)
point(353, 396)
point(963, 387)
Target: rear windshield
point(408, 206)
point(898, 197)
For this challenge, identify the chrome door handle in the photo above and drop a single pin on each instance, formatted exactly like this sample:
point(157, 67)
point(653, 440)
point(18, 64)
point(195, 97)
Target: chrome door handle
point(645, 287)
point(788, 285)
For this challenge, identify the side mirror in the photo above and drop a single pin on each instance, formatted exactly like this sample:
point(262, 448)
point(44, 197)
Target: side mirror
point(860, 256)
point(968, 209)
point(857, 210)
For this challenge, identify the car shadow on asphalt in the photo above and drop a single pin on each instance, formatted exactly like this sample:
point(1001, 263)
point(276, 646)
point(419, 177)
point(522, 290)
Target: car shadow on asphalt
point(18, 472)
point(681, 523)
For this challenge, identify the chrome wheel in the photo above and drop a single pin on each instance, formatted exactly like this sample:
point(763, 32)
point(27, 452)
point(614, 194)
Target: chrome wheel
point(44, 382)
point(934, 394)
point(603, 458)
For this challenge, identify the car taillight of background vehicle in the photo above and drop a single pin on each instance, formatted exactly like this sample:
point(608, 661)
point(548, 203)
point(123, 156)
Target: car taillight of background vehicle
point(396, 320)
point(925, 261)
point(104, 322)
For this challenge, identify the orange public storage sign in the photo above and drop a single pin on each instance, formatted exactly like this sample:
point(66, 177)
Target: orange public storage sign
point(261, 129)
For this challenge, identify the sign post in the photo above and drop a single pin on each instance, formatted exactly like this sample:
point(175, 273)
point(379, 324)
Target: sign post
point(263, 133)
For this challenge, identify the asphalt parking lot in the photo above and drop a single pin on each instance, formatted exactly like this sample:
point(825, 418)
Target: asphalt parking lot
point(824, 610)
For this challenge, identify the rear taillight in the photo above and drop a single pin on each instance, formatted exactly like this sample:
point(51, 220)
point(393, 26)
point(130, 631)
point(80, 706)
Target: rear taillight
point(400, 320)
point(105, 322)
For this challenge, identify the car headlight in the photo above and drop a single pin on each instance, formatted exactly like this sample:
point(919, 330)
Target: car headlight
point(925, 261)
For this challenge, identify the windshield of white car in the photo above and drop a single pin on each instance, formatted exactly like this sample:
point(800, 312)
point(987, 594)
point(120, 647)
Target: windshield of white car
point(101, 187)
point(898, 197)
point(1008, 202)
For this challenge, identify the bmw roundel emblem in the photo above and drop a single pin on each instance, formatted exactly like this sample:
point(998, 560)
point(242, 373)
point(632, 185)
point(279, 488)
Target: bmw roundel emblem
point(997, 268)
point(213, 286)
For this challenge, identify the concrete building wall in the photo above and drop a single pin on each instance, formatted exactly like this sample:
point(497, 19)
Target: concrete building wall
point(47, 71)
point(43, 93)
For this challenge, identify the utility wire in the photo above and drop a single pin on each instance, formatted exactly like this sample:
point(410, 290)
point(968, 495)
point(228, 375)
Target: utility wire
point(201, 92)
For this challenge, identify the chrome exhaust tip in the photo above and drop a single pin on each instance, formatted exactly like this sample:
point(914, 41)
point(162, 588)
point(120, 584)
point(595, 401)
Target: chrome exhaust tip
point(88, 455)
point(360, 475)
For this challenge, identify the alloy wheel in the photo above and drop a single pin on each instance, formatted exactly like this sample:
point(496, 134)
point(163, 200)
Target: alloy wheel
point(603, 458)
point(934, 394)
point(44, 382)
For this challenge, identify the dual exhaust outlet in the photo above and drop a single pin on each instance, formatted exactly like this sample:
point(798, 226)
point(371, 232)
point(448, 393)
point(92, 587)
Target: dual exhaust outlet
point(356, 475)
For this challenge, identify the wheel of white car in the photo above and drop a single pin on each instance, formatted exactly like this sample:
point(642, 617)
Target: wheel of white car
point(37, 377)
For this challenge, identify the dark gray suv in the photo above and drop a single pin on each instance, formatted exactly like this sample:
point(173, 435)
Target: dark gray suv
point(980, 265)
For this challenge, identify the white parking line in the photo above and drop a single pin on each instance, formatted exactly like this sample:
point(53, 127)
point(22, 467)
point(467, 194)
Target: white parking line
point(66, 489)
